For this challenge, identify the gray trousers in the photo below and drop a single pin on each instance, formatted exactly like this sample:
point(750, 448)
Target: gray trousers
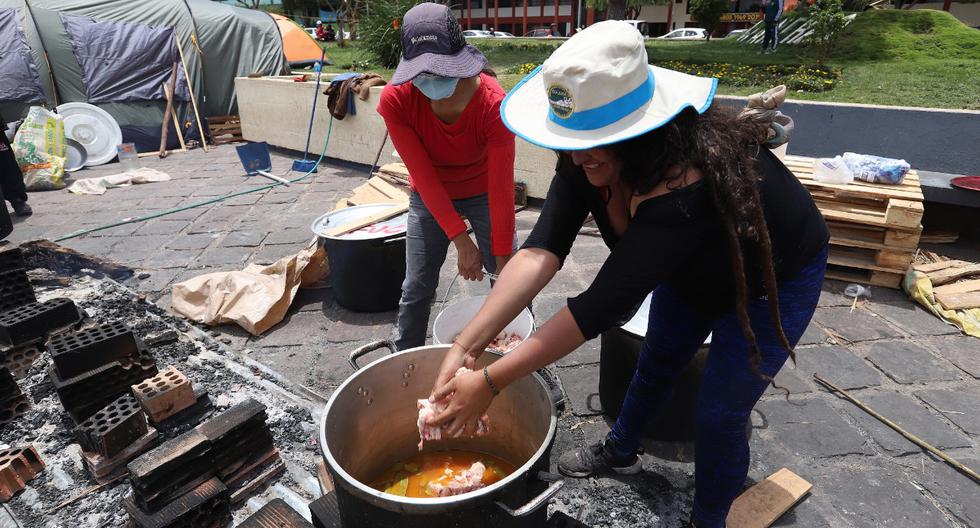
point(425, 253)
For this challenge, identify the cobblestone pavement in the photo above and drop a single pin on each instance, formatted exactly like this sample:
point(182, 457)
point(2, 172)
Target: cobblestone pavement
point(902, 361)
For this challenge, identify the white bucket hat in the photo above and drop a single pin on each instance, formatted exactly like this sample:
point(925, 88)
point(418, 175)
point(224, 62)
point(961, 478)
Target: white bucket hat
point(597, 89)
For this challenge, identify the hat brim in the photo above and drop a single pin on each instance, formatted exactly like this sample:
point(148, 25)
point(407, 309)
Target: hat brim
point(467, 62)
point(525, 111)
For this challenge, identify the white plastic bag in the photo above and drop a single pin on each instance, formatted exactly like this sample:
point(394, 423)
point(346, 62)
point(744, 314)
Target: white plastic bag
point(832, 170)
point(40, 150)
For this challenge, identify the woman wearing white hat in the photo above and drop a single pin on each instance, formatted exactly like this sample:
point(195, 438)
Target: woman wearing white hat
point(693, 209)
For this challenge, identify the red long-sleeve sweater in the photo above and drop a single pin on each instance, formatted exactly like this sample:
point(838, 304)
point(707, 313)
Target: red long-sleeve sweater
point(473, 156)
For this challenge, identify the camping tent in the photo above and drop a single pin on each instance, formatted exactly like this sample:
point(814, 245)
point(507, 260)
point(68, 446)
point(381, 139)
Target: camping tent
point(116, 54)
point(300, 47)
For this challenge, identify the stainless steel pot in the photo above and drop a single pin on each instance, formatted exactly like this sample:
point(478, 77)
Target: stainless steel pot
point(370, 423)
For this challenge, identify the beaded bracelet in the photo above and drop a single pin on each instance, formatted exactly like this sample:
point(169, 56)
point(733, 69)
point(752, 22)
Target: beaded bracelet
point(493, 388)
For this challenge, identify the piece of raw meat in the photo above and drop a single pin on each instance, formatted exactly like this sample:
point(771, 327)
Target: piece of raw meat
point(505, 342)
point(466, 481)
point(428, 410)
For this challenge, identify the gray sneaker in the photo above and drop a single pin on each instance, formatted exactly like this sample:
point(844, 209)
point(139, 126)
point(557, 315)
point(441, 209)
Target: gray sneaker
point(584, 461)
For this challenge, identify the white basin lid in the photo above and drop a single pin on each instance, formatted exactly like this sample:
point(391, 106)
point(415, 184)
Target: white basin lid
point(94, 129)
point(638, 324)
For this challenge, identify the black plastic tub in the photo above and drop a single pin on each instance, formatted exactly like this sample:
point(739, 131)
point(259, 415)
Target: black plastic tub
point(367, 266)
point(618, 356)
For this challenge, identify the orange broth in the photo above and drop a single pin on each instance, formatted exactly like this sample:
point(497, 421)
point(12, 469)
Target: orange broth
point(411, 477)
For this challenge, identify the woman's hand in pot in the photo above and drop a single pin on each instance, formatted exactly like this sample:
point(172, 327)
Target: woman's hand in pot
point(471, 396)
point(469, 262)
point(456, 357)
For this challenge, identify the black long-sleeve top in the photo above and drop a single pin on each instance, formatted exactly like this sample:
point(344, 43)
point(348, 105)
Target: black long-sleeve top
point(676, 239)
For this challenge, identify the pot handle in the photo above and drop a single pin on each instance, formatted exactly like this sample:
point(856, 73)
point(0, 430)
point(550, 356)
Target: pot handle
point(368, 348)
point(532, 505)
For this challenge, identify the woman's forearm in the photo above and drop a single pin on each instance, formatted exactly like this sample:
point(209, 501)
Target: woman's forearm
point(556, 339)
point(527, 273)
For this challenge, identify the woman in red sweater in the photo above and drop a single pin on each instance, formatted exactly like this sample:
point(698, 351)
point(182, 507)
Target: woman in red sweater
point(442, 110)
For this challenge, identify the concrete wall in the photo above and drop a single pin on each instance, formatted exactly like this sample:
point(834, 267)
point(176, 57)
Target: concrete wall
point(277, 110)
point(929, 139)
point(658, 13)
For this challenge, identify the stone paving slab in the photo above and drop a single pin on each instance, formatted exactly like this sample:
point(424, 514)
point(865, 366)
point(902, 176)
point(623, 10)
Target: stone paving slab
point(855, 325)
point(963, 351)
point(839, 365)
point(810, 427)
point(910, 318)
point(906, 362)
point(962, 407)
point(910, 415)
point(954, 490)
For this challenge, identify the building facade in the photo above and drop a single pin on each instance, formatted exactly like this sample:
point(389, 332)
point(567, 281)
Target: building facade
point(520, 16)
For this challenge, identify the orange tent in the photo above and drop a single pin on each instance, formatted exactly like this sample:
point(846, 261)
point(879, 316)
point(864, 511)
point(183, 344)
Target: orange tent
point(298, 44)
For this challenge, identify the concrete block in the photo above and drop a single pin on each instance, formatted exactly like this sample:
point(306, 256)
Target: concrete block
point(18, 466)
point(75, 354)
point(115, 427)
point(35, 321)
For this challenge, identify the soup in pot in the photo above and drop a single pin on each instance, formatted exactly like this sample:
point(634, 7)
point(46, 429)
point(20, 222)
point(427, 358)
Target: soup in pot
point(442, 474)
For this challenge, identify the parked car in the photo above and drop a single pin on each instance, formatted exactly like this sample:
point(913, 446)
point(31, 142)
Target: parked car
point(311, 31)
point(503, 34)
point(686, 34)
point(540, 32)
point(477, 33)
point(735, 33)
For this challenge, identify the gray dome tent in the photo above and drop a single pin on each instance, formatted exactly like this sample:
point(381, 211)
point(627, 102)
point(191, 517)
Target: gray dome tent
point(116, 54)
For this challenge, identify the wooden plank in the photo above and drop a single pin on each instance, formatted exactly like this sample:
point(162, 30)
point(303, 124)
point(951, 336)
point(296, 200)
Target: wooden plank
point(966, 286)
point(950, 274)
point(959, 301)
point(861, 258)
point(368, 220)
point(936, 266)
point(904, 213)
point(874, 278)
point(762, 504)
point(894, 259)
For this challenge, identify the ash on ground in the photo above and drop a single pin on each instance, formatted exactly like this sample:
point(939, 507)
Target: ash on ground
point(202, 359)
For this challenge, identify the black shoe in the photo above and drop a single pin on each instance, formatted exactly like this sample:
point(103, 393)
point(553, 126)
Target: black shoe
point(21, 208)
point(584, 461)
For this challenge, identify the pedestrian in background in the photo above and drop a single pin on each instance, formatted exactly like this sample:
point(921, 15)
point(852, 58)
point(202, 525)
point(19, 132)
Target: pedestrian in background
point(773, 13)
point(11, 178)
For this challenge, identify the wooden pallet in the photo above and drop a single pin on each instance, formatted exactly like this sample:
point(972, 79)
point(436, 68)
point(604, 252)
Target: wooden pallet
point(874, 228)
point(869, 204)
point(225, 129)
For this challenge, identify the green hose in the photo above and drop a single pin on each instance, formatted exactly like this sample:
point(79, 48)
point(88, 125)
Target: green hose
point(205, 202)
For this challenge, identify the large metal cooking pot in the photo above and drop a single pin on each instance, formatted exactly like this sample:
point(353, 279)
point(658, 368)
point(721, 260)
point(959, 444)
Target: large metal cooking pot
point(370, 424)
point(367, 266)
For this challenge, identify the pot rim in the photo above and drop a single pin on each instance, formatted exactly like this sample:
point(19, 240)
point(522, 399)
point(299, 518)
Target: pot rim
point(435, 502)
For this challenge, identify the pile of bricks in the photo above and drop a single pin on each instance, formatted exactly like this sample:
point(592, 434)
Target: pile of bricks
point(18, 466)
point(13, 402)
point(92, 368)
point(15, 291)
point(207, 469)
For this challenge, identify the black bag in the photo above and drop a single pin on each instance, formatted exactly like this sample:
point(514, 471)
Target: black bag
point(6, 226)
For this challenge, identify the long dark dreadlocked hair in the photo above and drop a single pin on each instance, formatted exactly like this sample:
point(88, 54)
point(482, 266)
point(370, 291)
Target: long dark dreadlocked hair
point(723, 147)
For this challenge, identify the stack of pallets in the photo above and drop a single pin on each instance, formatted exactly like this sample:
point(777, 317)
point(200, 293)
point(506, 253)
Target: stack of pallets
point(874, 228)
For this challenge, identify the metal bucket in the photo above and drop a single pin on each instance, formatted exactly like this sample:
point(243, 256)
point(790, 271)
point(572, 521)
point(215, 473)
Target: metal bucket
point(367, 266)
point(370, 423)
point(453, 318)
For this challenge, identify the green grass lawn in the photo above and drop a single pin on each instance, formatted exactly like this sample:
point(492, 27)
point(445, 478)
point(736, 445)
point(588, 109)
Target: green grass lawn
point(903, 58)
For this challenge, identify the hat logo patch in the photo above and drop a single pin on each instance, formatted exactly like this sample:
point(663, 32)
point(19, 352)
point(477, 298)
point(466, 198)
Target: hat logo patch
point(424, 38)
point(560, 99)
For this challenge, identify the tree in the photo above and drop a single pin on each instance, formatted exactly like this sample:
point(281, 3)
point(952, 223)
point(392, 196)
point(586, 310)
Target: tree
point(708, 13)
point(826, 20)
point(248, 4)
point(623, 9)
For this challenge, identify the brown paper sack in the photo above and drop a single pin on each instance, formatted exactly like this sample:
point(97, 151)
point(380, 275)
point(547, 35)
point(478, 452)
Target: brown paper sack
point(255, 298)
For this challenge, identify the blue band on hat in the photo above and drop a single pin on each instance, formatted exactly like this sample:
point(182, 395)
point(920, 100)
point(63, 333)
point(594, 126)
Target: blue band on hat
point(610, 112)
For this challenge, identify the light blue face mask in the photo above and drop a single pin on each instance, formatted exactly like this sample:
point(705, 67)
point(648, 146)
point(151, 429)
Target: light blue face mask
point(435, 87)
